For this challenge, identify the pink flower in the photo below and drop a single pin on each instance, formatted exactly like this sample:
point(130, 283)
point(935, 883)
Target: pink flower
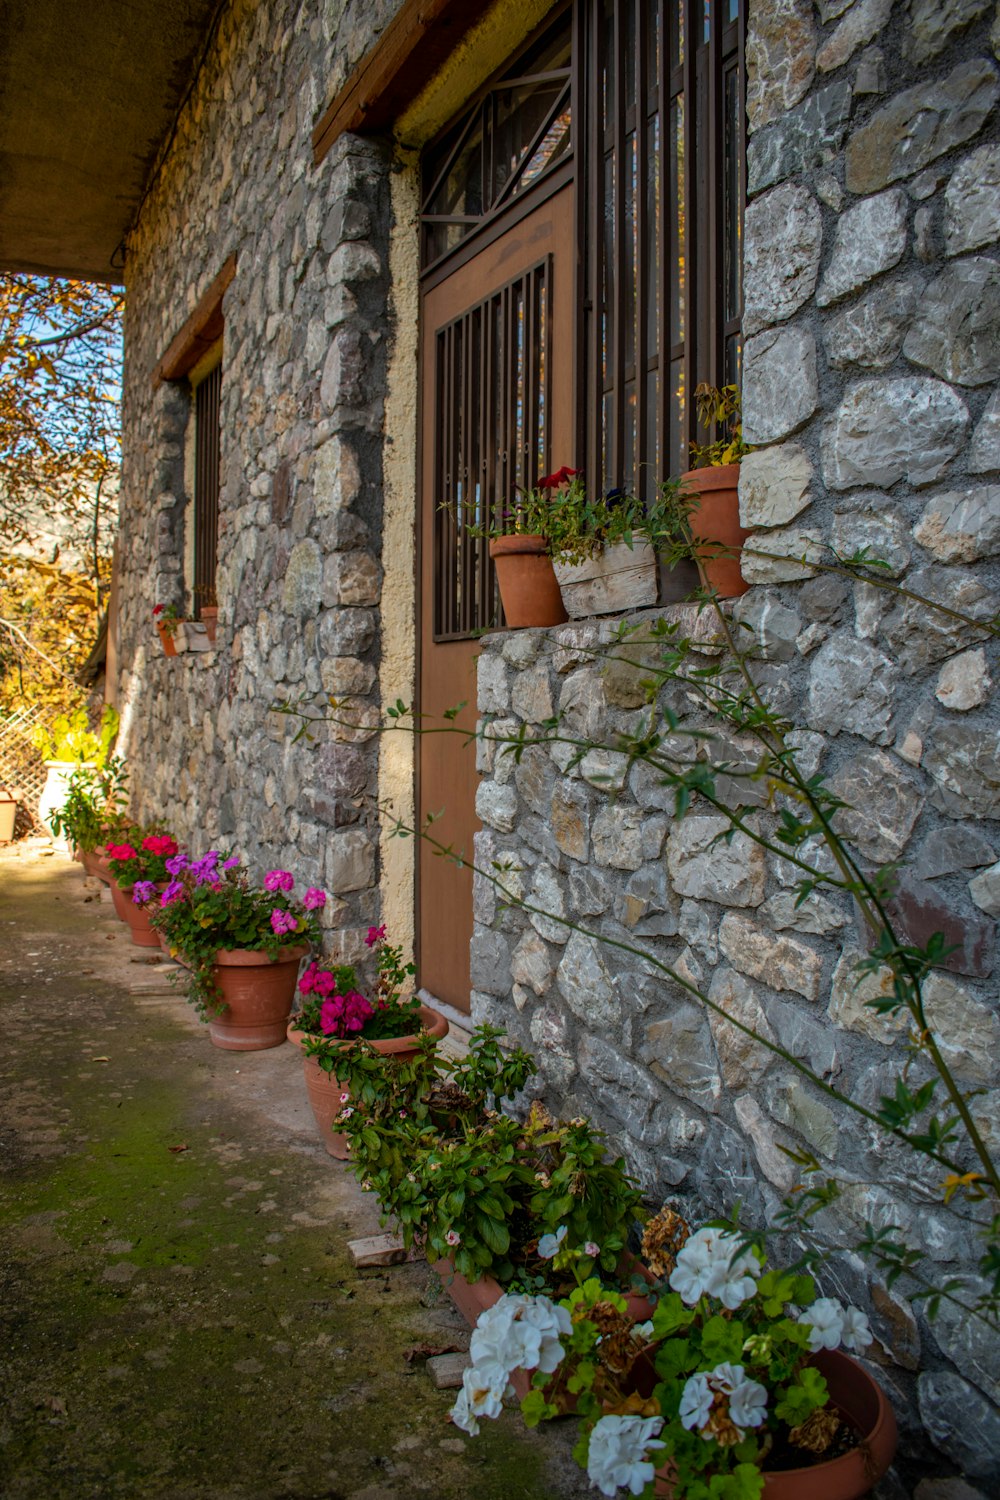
point(308, 981)
point(278, 880)
point(375, 935)
point(324, 982)
point(591, 1249)
point(160, 843)
point(314, 898)
point(120, 851)
point(453, 1237)
point(344, 1098)
point(282, 922)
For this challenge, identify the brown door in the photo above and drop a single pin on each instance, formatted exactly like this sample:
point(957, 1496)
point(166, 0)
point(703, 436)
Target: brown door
point(496, 373)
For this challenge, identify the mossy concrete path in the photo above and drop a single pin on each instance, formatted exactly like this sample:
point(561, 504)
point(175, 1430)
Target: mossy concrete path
point(179, 1315)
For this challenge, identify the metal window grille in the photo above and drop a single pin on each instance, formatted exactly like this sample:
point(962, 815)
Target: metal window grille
point(665, 191)
point(490, 440)
point(207, 414)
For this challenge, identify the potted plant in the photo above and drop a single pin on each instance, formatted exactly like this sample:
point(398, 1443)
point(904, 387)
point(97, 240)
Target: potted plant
point(137, 862)
point(604, 546)
point(93, 812)
point(67, 745)
point(334, 1015)
point(167, 619)
point(711, 488)
point(737, 1386)
point(242, 944)
point(478, 1189)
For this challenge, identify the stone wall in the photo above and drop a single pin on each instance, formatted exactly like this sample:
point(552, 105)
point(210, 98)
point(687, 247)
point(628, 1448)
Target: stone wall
point(307, 330)
point(872, 359)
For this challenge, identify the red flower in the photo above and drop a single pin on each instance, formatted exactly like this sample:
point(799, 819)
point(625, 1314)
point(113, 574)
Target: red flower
point(120, 851)
point(552, 481)
point(160, 843)
point(158, 609)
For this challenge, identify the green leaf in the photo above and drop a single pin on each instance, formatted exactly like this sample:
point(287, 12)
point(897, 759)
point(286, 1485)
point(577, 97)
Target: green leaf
point(722, 1341)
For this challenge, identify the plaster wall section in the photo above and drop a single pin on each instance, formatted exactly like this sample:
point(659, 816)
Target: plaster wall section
point(870, 389)
point(397, 674)
point(308, 331)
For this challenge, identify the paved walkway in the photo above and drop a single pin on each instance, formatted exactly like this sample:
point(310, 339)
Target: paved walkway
point(178, 1312)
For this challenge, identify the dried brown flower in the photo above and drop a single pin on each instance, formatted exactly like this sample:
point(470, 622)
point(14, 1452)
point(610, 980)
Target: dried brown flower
point(664, 1236)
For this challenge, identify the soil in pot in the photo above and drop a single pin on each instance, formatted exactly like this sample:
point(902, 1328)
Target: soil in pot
point(327, 1096)
point(528, 586)
point(257, 994)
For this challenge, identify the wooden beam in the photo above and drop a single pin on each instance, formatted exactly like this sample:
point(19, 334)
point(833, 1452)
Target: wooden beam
point(202, 329)
point(414, 45)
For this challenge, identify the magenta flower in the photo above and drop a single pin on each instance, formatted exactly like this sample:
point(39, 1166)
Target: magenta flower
point(120, 851)
point(176, 864)
point(173, 892)
point(314, 898)
point(231, 862)
point(142, 891)
point(308, 981)
point(278, 880)
point(282, 922)
point(375, 935)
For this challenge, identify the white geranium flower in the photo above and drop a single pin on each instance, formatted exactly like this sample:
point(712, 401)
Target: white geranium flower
point(521, 1333)
point(705, 1265)
point(462, 1416)
point(856, 1333)
point(696, 1402)
point(747, 1398)
point(618, 1451)
point(548, 1245)
point(825, 1321)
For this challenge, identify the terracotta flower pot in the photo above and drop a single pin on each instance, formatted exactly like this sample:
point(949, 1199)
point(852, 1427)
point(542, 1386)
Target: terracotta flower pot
point(210, 620)
point(864, 1407)
point(97, 865)
point(166, 639)
point(326, 1093)
point(528, 586)
point(715, 526)
point(140, 928)
point(257, 992)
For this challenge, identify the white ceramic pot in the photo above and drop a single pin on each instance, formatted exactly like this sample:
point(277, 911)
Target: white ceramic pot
point(54, 793)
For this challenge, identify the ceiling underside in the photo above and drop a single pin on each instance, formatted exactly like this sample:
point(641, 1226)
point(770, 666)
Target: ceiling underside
point(87, 94)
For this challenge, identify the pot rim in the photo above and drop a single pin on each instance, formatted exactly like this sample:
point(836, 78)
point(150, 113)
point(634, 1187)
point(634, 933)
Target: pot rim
point(435, 1025)
point(518, 541)
point(245, 958)
point(713, 477)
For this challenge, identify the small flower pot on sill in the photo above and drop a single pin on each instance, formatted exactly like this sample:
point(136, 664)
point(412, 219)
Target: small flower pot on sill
point(715, 526)
point(618, 579)
point(192, 635)
point(166, 634)
point(528, 586)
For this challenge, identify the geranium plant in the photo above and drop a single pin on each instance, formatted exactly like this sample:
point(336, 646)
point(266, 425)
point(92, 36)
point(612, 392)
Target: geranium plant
point(210, 904)
point(137, 858)
point(577, 522)
point(718, 1386)
point(94, 804)
point(334, 1007)
point(167, 618)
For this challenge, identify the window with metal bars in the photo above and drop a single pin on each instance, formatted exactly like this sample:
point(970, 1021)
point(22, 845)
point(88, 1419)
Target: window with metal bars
point(665, 174)
point(207, 394)
point(490, 440)
point(645, 99)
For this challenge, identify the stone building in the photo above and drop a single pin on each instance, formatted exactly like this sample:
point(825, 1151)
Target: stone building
point(381, 256)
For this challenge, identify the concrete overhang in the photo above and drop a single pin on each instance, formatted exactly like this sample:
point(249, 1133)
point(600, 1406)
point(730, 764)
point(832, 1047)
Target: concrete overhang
point(88, 94)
